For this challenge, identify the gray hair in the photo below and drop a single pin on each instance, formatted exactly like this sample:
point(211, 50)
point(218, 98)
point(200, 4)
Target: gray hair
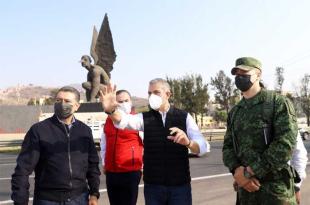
point(71, 90)
point(162, 81)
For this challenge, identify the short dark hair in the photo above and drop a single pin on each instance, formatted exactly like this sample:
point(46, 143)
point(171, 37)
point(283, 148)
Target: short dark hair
point(71, 90)
point(123, 91)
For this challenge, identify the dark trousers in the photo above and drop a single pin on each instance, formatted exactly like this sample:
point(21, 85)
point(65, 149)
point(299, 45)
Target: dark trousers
point(167, 195)
point(123, 187)
point(79, 200)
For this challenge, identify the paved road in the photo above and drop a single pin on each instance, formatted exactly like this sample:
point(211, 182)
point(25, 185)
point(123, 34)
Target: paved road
point(211, 183)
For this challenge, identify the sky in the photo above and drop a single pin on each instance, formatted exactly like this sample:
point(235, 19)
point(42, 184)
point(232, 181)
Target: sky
point(42, 41)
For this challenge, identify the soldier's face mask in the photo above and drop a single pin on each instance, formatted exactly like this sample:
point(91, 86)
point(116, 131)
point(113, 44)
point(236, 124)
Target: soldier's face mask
point(63, 110)
point(243, 82)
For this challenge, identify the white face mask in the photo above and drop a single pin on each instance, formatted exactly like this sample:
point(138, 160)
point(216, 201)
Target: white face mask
point(155, 101)
point(125, 106)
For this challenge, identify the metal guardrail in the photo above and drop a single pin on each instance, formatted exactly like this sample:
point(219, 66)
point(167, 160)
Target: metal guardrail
point(10, 143)
point(209, 135)
point(217, 135)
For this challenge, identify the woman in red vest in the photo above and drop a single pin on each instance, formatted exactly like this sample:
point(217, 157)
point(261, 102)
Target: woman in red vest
point(121, 153)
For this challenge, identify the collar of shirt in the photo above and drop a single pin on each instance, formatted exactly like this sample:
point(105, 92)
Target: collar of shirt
point(257, 99)
point(70, 125)
point(164, 115)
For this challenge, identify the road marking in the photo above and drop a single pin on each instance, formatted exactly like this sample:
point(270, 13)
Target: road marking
point(10, 201)
point(8, 158)
point(211, 177)
point(9, 178)
point(141, 185)
point(7, 164)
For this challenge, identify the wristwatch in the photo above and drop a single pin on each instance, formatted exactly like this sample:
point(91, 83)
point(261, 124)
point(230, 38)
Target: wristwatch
point(96, 194)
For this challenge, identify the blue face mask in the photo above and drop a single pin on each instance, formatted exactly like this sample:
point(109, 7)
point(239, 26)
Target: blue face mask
point(243, 82)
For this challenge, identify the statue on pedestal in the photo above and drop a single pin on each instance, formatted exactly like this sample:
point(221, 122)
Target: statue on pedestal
point(103, 53)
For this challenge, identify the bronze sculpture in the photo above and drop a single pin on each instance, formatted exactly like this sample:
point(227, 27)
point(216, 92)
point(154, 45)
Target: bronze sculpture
point(103, 53)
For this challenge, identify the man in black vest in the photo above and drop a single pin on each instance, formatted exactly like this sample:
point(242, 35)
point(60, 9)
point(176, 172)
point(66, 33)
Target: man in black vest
point(168, 134)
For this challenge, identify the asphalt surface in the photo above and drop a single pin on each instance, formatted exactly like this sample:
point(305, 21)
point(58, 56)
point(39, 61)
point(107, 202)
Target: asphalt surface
point(211, 184)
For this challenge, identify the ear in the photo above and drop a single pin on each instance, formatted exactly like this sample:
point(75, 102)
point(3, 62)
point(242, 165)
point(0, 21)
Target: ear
point(168, 94)
point(77, 106)
point(259, 75)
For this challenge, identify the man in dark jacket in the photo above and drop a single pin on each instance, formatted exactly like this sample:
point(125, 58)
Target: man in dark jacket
point(61, 152)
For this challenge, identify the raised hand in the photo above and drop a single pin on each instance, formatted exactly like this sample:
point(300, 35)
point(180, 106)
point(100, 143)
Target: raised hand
point(108, 98)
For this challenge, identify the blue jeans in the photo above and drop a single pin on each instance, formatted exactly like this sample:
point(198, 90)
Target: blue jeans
point(79, 200)
point(167, 195)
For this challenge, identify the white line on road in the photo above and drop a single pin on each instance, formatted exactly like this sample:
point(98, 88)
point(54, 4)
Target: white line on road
point(7, 164)
point(193, 179)
point(9, 178)
point(142, 185)
point(211, 177)
point(6, 158)
point(10, 201)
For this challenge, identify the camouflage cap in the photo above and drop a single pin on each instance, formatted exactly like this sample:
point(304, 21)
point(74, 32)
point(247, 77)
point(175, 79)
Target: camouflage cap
point(246, 64)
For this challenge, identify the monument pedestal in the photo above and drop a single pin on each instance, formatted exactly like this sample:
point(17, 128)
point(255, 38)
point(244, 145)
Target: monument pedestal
point(93, 115)
point(90, 107)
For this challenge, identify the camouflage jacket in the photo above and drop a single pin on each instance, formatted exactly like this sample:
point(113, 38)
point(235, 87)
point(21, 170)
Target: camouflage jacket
point(247, 126)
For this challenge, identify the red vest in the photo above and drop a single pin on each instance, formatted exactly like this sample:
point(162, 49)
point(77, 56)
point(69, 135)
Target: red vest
point(124, 149)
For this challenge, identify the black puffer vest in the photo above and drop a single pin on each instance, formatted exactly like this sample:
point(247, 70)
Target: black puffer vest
point(165, 162)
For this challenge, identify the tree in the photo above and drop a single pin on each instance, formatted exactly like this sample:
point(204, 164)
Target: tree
point(304, 96)
point(175, 86)
point(220, 116)
point(187, 92)
point(53, 92)
point(33, 101)
point(190, 93)
point(201, 98)
point(279, 79)
point(296, 102)
point(51, 99)
point(225, 92)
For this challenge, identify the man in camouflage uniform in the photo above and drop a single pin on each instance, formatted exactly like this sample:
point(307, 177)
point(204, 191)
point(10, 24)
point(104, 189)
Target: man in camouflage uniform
point(257, 151)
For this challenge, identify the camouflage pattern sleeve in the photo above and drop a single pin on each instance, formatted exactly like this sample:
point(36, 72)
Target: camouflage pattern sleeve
point(280, 150)
point(229, 156)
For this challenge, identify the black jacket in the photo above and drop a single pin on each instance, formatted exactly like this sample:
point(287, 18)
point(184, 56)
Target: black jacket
point(65, 162)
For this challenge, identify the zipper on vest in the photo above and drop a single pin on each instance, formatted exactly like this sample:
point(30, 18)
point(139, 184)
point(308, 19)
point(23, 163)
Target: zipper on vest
point(69, 156)
point(133, 155)
point(114, 151)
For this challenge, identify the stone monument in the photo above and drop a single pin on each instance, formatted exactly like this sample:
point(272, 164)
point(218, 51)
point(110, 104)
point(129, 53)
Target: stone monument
point(103, 54)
